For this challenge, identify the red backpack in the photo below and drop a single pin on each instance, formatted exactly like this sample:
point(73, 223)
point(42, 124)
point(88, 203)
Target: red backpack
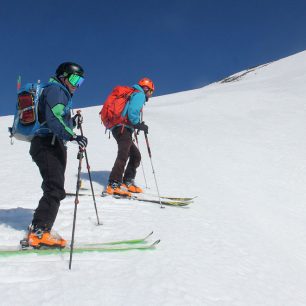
point(111, 112)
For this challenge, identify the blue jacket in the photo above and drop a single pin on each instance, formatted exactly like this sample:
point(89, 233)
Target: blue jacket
point(55, 110)
point(134, 106)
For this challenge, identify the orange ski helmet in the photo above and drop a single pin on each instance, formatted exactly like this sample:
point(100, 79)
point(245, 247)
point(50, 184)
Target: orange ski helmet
point(146, 82)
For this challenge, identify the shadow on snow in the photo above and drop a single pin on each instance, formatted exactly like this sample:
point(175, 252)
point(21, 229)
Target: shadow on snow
point(18, 218)
point(100, 177)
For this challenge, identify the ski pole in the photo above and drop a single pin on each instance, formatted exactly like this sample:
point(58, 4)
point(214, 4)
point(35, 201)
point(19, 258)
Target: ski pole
point(76, 202)
point(136, 138)
point(89, 173)
point(150, 155)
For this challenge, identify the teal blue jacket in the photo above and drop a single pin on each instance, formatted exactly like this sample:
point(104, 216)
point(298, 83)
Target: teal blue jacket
point(134, 107)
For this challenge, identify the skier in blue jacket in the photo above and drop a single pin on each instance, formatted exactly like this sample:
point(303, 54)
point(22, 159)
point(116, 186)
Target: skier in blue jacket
point(121, 180)
point(48, 150)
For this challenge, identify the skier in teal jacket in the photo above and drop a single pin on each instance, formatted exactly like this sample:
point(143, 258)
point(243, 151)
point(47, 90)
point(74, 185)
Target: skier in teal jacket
point(121, 180)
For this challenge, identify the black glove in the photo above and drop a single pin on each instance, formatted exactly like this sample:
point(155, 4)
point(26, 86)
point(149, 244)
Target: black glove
point(142, 127)
point(80, 140)
point(77, 119)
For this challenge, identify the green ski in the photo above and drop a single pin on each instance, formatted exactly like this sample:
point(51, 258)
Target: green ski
point(77, 249)
point(132, 241)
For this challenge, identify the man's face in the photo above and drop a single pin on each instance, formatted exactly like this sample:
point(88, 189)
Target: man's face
point(148, 92)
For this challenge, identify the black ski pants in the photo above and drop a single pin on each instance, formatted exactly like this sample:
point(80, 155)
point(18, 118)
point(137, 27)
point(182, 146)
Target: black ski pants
point(51, 160)
point(126, 150)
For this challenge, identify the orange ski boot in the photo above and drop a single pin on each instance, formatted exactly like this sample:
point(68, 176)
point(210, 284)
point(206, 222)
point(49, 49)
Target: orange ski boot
point(38, 237)
point(131, 187)
point(114, 188)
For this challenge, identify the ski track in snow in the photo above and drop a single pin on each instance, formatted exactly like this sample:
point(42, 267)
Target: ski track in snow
point(240, 147)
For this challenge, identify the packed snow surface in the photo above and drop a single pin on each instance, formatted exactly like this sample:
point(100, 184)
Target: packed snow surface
point(240, 146)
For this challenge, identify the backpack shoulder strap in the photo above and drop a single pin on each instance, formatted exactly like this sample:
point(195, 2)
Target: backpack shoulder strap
point(56, 84)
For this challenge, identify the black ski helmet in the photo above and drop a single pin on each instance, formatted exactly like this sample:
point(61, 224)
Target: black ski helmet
point(67, 68)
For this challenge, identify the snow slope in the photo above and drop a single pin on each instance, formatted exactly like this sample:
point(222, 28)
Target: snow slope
point(239, 145)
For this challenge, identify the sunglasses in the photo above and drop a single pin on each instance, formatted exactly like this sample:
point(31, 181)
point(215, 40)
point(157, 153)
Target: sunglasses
point(75, 80)
point(149, 91)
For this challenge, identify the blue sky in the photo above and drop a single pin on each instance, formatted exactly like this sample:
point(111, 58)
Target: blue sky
point(181, 45)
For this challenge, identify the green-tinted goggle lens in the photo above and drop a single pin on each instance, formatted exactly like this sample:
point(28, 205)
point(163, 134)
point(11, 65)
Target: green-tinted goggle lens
point(75, 80)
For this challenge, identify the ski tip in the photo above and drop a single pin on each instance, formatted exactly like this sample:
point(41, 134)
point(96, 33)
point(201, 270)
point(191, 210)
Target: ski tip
point(146, 237)
point(155, 243)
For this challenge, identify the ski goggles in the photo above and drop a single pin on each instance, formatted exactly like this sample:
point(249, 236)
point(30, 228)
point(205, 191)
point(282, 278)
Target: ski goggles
point(75, 80)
